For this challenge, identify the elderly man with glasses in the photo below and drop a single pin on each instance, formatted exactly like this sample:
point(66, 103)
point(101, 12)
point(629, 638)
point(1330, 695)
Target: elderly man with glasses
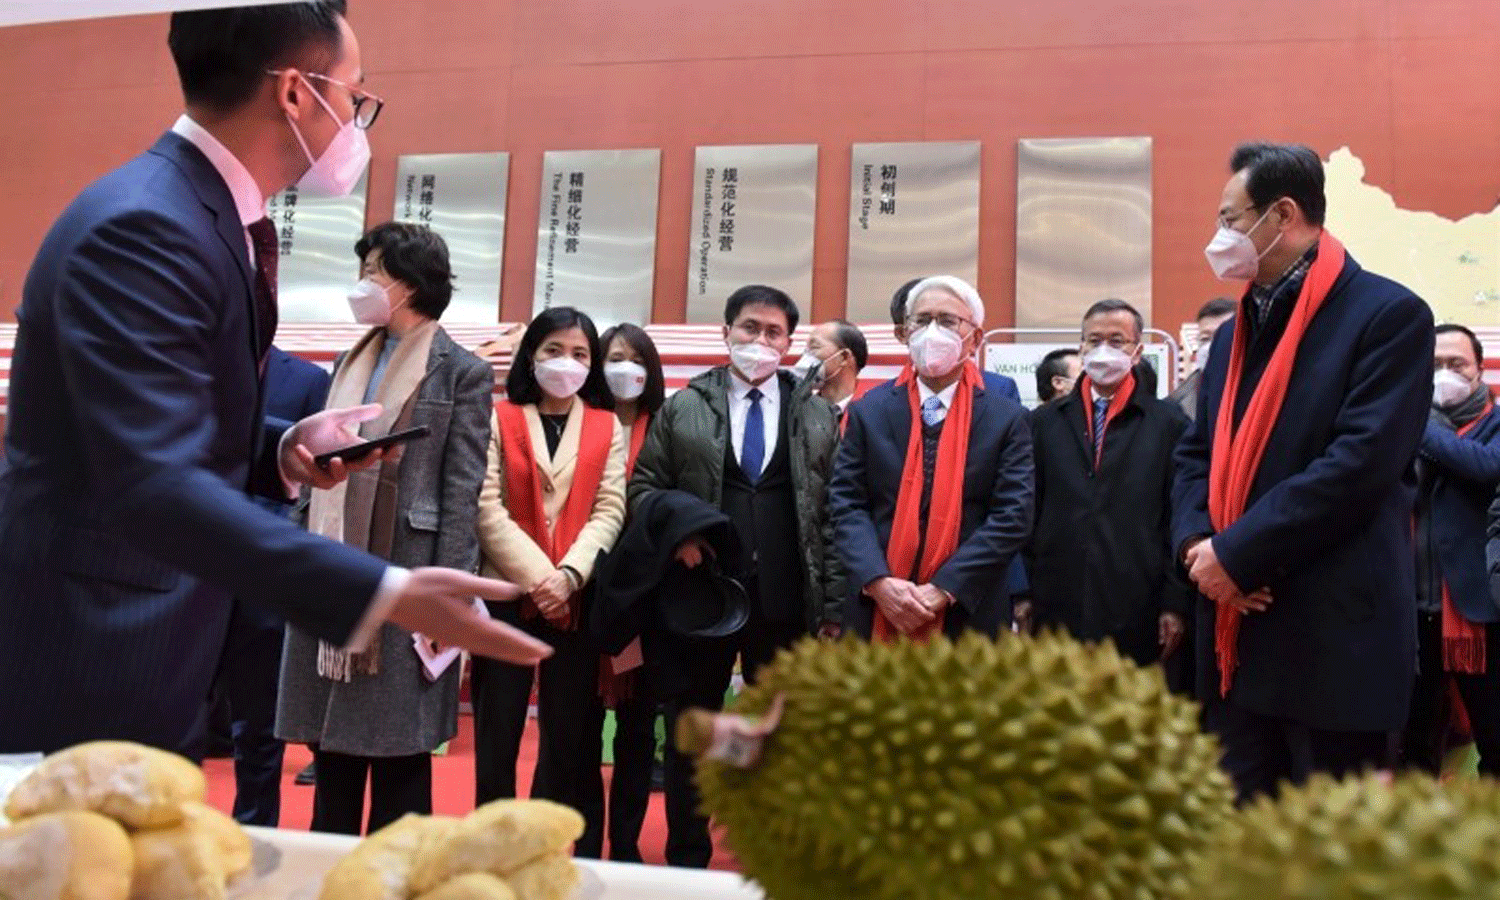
point(932, 486)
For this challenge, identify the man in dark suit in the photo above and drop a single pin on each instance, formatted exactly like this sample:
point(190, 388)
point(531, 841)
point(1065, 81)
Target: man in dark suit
point(933, 555)
point(1100, 557)
point(1293, 499)
point(1458, 619)
point(136, 417)
point(251, 664)
point(752, 441)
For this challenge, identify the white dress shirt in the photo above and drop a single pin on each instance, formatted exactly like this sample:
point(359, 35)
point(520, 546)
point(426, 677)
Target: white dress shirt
point(739, 409)
point(250, 204)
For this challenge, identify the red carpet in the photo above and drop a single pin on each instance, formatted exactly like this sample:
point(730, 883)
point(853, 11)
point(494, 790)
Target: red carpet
point(452, 789)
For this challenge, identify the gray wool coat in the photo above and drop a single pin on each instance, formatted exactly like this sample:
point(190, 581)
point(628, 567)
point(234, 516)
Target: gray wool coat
point(397, 712)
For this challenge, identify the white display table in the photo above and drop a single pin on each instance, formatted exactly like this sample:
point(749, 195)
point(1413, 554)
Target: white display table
point(290, 865)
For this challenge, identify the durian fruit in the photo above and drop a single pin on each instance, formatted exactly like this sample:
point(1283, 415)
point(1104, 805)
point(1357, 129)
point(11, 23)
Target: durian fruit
point(75, 855)
point(472, 886)
point(1034, 768)
point(501, 836)
point(1363, 838)
point(137, 786)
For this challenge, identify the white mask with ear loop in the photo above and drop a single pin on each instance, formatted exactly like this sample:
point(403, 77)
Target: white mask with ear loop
point(335, 171)
point(1231, 254)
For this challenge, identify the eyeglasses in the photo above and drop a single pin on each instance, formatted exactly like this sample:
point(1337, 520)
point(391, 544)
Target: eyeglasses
point(945, 320)
point(1118, 343)
point(367, 106)
point(1226, 220)
point(753, 330)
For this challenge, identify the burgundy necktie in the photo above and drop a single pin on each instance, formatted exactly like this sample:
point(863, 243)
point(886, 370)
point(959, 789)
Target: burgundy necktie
point(267, 249)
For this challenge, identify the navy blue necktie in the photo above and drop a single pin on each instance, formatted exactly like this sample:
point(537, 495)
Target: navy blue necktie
point(753, 446)
point(1101, 408)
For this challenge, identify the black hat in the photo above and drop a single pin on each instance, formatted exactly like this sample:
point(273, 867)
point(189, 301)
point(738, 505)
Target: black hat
point(701, 602)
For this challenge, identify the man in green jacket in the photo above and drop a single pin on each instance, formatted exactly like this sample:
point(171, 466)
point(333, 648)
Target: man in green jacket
point(748, 439)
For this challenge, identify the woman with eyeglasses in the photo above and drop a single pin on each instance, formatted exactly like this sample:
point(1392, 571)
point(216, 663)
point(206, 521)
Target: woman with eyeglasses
point(632, 368)
point(553, 498)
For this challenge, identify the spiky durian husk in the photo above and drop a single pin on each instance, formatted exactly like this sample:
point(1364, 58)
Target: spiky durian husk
point(1361, 839)
point(1033, 768)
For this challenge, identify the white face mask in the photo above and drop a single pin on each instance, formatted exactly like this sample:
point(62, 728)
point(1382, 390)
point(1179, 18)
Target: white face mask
point(1200, 362)
point(1232, 254)
point(370, 303)
point(1449, 389)
point(935, 351)
point(805, 364)
point(1107, 366)
point(627, 380)
point(754, 361)
point(337, 170)
point(561, 376)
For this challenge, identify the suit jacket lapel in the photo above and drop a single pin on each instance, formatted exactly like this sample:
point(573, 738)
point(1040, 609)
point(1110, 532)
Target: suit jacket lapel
point(214, 194)
point(898, 415)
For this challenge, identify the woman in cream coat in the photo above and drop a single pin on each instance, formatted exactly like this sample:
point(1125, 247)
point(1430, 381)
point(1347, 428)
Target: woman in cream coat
point(553, 498)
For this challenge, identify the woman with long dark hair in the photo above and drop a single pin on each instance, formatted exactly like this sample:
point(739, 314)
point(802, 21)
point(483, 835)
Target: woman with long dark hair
point(553, 498)
point(632, 368)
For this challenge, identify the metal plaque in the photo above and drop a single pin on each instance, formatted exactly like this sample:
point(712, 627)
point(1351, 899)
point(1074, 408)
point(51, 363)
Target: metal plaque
point(461, 196)
point(596, 233)
point(317, 266)
point(913, 211)
point(753, 212)
point(1083, 227)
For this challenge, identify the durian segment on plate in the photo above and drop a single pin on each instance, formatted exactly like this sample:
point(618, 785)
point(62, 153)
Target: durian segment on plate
point(471, 886)
point(499, 837)
point(551, 876)
point(379, 867)
point(136, 785)
point(74, 855)
point(176, 862)
point(229, 840)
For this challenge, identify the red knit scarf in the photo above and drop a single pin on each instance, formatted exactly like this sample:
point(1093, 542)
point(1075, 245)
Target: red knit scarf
point(523, 486)
point(1463, 641)
point(945, 511)
point(1116, 405)
point(1237, 452)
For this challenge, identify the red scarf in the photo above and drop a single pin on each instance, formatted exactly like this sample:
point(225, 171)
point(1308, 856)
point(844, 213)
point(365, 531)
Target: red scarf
point(523, 486)
point(1116, 405)
point(1237, 452)
point(945, 513)
point(1463, 641)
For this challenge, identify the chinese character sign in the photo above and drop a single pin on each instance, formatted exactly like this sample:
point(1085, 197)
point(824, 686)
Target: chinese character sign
point(462, 197)
point(596, 233)
point(913, 211)
point(753, 212)
point(318, 266)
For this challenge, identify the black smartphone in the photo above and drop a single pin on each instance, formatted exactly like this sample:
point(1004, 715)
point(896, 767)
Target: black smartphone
point(360, 451)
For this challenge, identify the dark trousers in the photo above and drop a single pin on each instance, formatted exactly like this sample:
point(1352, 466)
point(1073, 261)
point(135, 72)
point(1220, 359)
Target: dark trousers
point(247, 684)
point(398, 785)
point(570, 717)
point(1425, 740)
point(688, 841)
point(1261, 752)
point(630, 783)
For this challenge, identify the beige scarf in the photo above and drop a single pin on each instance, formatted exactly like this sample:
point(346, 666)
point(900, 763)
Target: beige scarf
point(361, 510)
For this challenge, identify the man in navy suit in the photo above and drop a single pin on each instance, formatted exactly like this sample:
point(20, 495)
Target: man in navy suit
point(136, 426)
point(1458, 621)
point(1307, 577)
point(251, 665)
point(965, 587)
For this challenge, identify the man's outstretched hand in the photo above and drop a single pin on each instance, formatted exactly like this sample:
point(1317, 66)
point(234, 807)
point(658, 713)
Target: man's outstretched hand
point(439, 603)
